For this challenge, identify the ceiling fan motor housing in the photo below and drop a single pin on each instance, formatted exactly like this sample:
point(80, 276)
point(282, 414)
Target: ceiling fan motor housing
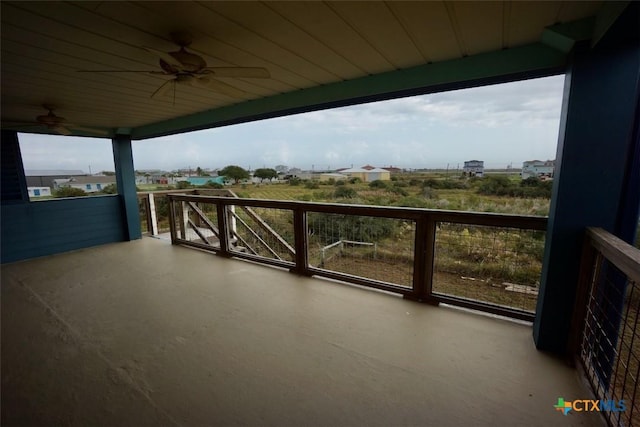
point(50, 119)
point(191, 63)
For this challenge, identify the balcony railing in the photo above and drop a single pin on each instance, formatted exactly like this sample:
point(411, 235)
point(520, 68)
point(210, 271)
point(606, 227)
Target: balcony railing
point(483, 261)
point(606, 336)
point(154, 207)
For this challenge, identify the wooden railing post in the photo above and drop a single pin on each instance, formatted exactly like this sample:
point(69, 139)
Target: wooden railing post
point(223, 228)
point(423, 260)
point(586, 277)
point(300, 242)
point(430, 257)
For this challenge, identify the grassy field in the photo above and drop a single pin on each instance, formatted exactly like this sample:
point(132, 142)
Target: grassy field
point(492, 264)
point(407, 190)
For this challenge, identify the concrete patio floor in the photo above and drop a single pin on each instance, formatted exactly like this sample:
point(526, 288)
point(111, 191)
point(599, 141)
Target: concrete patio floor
point(146, 333)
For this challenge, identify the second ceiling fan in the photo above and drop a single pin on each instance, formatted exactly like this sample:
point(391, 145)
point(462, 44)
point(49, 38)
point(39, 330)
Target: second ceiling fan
point(187, 68)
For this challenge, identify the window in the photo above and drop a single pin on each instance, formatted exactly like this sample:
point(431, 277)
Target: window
point(56, 161)
point(36, 192)
point(99, 186)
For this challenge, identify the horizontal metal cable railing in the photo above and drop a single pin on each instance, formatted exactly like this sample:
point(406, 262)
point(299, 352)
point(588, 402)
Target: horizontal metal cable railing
point(484, 261)
point(606, 338)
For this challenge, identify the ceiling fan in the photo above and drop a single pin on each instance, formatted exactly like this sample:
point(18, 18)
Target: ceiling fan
point(57, 124)
point(187, 68)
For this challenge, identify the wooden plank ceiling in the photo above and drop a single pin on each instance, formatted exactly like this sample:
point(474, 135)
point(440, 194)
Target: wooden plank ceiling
point(303, 45)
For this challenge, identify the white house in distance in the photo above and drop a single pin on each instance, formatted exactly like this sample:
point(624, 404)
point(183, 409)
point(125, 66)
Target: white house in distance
point(39, 191)
point(44, 178)
point(367, 173)
point(89, 184)
point(538, 168)
point(335, 176)
point(473, 168)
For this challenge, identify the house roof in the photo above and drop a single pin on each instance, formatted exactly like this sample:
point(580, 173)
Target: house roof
point(92, 180)
point(317, 54)
point(362, 170)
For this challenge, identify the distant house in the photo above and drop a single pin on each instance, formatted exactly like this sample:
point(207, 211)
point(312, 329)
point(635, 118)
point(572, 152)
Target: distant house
point(473, 168)
point(538, 168)
point(39, 191)
point(393, 169)
point(90, 184)
point(368, 175)
point(202, 180)
point(45, 177)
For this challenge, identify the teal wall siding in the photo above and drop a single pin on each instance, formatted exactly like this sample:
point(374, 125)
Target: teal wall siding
point(43, 228)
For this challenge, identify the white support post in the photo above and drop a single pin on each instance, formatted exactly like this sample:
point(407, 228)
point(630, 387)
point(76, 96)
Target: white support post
point(185, 218)
point(154, 217)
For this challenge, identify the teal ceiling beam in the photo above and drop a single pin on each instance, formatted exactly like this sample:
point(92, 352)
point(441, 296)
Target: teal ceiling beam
point(528, 61)
point(564, 36)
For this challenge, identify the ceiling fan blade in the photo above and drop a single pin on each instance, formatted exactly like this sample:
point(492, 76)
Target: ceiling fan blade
point(218, 86)
point(164, 89)
point(61, 130)
point(252, 72)
point(165, 57)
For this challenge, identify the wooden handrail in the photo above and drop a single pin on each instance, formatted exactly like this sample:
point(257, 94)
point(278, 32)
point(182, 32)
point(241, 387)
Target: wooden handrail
point(617, 251)
point(395, 212)
point(427, 223)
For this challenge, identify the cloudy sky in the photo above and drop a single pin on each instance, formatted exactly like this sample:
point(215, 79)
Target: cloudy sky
point(502, 124)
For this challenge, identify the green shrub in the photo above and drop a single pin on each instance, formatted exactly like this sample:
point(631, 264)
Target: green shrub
point(378, 184)
point(445, 184)
point(429, 193)
point(311, 185)
point(183, 185)
point(355, 181)
point(295, 181)
point(499, 185)
point(329, 228)
point(112, 189)
point(340, 182)
point(211, 184)
point(69, 192)
point(399, 190)
point(345, 193)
